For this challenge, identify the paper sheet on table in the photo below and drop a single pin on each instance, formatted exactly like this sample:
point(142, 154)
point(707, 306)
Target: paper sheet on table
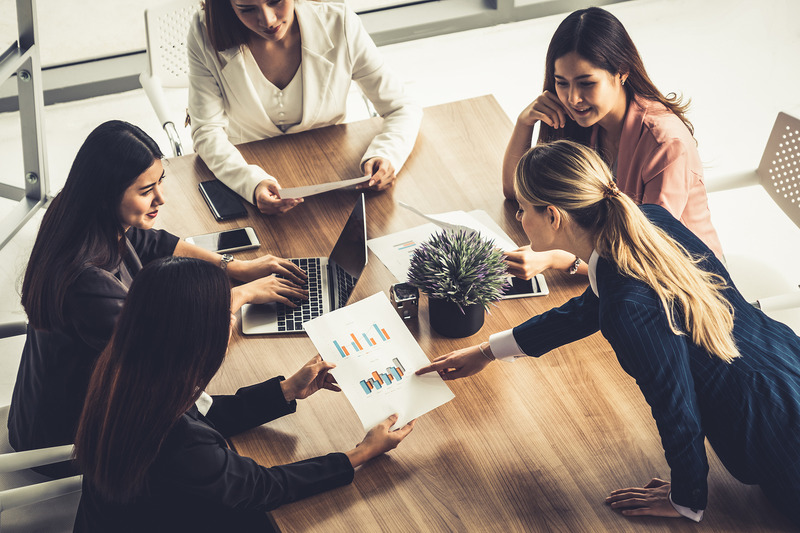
point(395, 250)
point(376, 357)
point(311, 190)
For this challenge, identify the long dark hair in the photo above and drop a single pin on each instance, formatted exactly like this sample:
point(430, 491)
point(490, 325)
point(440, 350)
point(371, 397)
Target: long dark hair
point(82, 227)
point(170, 340)
point(600, 38)
point(225, 30)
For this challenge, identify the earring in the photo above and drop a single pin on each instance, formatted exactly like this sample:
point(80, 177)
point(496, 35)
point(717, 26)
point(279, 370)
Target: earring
point(623, 83)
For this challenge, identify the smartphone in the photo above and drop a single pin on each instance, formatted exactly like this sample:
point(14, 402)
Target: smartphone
point(232, 240)
point(223, 202)
point(520, 288)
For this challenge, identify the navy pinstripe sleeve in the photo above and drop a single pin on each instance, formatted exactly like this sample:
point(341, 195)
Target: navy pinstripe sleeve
point(636, 327)
point(576, 319)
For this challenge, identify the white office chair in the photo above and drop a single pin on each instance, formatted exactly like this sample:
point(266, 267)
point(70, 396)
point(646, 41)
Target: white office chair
point(30, 501)
point(167, 27)
point(779, 174)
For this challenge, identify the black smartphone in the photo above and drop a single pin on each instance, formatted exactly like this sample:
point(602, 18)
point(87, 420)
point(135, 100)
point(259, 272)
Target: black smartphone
point(223, 202)
point(520, 288)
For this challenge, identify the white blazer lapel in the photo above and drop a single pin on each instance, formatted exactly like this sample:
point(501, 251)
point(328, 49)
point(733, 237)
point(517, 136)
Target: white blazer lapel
point(317, 68)
point(244, 100)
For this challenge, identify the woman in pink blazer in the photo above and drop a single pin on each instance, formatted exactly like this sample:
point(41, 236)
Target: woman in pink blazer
point(597, 92)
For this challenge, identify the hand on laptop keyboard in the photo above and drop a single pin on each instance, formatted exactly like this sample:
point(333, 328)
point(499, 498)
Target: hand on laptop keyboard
point(274, 289)
point(291, 318)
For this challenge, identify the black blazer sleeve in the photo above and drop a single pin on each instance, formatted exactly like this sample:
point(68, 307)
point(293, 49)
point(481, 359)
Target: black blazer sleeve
point(151, 244)
point(576, 319)
point(659, 360)
point(196, 463)
point(249, 407)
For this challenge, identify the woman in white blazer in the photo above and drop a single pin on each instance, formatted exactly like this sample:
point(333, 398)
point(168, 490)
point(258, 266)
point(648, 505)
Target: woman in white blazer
point(262, 68)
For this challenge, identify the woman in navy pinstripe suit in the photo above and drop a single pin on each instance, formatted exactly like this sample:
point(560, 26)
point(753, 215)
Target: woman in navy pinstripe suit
point(708, 363)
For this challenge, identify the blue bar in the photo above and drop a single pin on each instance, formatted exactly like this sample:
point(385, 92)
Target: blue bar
point(341, 352)
point(379, 331)
point(393, 371)
point(396, 362)
point(367, 339)
point(375, 383)
point(364, 386)
point(385, 378)
point(355, 346)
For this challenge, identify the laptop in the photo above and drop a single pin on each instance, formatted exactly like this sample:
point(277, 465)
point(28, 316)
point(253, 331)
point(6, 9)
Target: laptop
point(331, 281)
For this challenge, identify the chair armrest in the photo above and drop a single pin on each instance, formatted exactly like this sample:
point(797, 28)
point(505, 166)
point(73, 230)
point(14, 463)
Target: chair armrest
point(731, 181)
point(20, 496)
point(11, 462)
point(155, 93)
point(174, 139)
point(778, 303)
point(12, 329)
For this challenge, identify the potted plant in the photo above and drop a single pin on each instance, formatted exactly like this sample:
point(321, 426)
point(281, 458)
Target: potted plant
point(462, 273)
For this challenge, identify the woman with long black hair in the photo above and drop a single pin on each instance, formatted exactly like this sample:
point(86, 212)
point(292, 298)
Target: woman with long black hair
point(152, 460)
point(94, 238)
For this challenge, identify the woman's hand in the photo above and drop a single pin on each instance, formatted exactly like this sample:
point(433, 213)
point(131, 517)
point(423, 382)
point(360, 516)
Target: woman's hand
point(265, 266)
point(312, 377)
point(650, 500)
point(266, 290)
point(458, 364)
point(381, 172)
point(379, 440)
point(547, 108)
point(267, 198)
point(525, 263)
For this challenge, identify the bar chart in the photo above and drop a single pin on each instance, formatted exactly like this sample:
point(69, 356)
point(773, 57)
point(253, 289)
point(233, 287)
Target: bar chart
point(405, 245)
point(380, 380)
point(362, 341)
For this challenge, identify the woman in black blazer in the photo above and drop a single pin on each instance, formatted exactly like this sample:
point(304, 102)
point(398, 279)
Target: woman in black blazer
point(708, 363)
point(151, 457)
point(93, 240)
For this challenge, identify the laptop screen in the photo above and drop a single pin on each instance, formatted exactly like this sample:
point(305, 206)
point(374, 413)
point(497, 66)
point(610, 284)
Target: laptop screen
point(349, 256)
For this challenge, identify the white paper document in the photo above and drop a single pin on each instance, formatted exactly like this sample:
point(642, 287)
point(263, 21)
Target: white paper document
point(395, 250)
point(376, 357)
point(311, 190)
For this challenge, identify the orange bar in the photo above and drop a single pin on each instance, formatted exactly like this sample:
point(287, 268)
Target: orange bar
point(399, 372)
point(378, 378)
point(391, 378)
point(345, 351)
point(372, 341)
point(370, 385)
point(356, 341)
point(385, 334)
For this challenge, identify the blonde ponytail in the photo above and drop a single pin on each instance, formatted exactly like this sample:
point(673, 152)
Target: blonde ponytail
point(574, 180)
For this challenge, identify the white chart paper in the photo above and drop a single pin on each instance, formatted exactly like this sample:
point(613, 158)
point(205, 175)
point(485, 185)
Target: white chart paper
point(311, 190)
point(376, 357)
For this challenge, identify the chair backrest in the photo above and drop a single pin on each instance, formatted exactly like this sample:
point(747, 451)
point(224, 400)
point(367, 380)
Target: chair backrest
point(167, 26)
point(779, 171)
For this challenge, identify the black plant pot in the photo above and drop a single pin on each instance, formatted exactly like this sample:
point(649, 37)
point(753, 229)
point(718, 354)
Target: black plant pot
point(448, 319)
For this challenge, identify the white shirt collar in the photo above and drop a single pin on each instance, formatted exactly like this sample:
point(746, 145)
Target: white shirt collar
point(593, 271)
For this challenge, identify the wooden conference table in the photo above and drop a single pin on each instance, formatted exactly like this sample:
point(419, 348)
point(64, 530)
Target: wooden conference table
point(535, 445)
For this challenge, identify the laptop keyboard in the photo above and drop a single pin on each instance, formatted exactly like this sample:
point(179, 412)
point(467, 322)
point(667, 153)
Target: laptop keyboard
point(292, 318)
